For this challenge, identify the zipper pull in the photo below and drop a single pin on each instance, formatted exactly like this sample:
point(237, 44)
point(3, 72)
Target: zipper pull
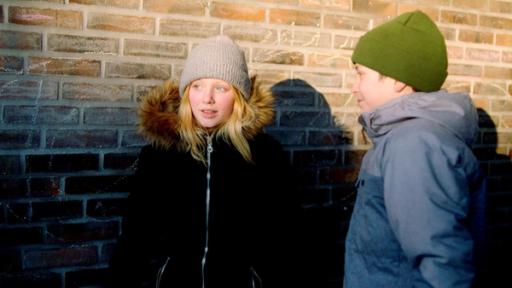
point(209, 148)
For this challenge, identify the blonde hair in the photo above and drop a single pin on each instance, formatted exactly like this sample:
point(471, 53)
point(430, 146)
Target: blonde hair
point(194, 138)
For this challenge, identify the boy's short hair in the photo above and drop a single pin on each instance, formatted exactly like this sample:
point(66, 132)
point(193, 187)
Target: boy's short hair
point(410, 48)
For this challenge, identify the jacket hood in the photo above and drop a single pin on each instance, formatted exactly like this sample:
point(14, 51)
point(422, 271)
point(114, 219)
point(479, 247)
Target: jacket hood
point(158, 113)
point(454, 111)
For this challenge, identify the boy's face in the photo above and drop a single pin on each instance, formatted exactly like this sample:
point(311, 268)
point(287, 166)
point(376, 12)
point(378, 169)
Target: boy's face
point(372, 89)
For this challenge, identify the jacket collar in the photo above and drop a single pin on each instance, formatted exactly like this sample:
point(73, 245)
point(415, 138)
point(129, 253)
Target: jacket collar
point(158, 113)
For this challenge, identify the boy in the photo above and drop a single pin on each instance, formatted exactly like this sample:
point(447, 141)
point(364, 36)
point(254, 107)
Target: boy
point(416, 218)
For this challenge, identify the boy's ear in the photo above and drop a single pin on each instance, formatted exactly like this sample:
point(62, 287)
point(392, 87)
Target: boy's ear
point(400, 86)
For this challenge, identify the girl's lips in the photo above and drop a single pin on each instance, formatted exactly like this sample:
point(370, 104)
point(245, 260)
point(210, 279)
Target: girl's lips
point(208, 113)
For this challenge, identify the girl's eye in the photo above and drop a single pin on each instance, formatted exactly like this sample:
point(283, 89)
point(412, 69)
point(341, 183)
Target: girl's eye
point(221, 89)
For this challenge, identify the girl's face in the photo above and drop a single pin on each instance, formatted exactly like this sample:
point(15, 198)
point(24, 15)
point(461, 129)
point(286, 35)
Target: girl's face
point(211, 101)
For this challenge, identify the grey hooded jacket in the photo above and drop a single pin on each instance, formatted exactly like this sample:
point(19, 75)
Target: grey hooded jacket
point(418, 218)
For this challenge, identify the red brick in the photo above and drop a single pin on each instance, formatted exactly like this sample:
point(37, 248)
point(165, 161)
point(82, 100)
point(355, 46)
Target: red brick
point(498, 72)
point(28, 89)
point(13, 187)
point(337, 175)
point(166, 50)
point(90, 138)
point(41, 115)
point(121, 23)
point(45, 187)
point(259, 35)
point(334, 60)
point(338, 5)
point(327, 138)
point(494, 89)
point(496, 22)
point(11, 64)
point(237, 12)
point(45, 17)
point(472, 4)
point(80, 44)
point(285, 57)
point(305, 39)
point(138, 71)
point(501, 7)
point(82, 91)
point(195, 8)
point(61, 162)
point(97, 184)
point(119, 161)
point(131, 4)
point(60, 66)
point(498, 105)
point(57, 210)
point(317, 158)
point(30, 279)
point(173, 27)
point(10, 261)
point(82, 232)
point(334, 80)
point(376, 7)
point(110, 116)
point(10, 165)
point(131, 138)
point(17, 213)
point(305, 119)
point(457, 17)
point(482, 55)
point(21, 236)
point(69, 256)
point(105, 208)
point(19, 139)
point(294, 17)
point(20, 40)
point(465, 70)
point(88, 277)
point(476, 36)
point(345, 22)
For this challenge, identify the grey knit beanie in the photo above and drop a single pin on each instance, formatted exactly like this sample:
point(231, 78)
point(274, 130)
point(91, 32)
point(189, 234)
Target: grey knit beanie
point(217, 57)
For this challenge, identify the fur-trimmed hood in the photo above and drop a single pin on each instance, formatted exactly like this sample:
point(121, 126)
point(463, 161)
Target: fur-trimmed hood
point(158, 113)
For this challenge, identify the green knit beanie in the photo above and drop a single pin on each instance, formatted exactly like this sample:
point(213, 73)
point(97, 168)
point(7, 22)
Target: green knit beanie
point(410, 48)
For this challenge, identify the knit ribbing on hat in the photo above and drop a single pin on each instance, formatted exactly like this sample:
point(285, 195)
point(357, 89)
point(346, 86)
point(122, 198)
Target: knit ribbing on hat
point(217, 57)
point(409, 48)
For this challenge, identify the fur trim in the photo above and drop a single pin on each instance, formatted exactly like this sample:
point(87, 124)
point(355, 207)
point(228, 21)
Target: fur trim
point(158, 113)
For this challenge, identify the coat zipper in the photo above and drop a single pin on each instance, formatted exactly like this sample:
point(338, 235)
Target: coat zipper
point(209, 150)
point(255, 279)
point(161, 272)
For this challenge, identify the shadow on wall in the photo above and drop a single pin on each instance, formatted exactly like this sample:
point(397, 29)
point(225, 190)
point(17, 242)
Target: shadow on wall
point(327, 170)
point(499, 170)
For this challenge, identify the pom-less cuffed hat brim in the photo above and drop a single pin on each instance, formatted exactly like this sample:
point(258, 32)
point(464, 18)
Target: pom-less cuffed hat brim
point(409, 48)
point(217, 57)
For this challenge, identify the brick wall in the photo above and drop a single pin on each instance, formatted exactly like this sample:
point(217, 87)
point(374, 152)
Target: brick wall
point(71, 72)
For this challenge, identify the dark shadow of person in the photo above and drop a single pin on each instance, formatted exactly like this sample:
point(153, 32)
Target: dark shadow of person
point(498, 168)
point(326, 172)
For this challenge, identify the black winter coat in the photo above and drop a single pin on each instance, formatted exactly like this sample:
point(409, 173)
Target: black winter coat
point(239, 233)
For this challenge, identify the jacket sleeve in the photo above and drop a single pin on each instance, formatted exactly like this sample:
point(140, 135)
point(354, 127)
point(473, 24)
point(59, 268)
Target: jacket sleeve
point(130, 260)
point(426, 194)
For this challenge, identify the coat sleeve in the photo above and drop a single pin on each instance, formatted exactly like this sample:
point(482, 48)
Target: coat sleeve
point(426, 194)
point(130, 259)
